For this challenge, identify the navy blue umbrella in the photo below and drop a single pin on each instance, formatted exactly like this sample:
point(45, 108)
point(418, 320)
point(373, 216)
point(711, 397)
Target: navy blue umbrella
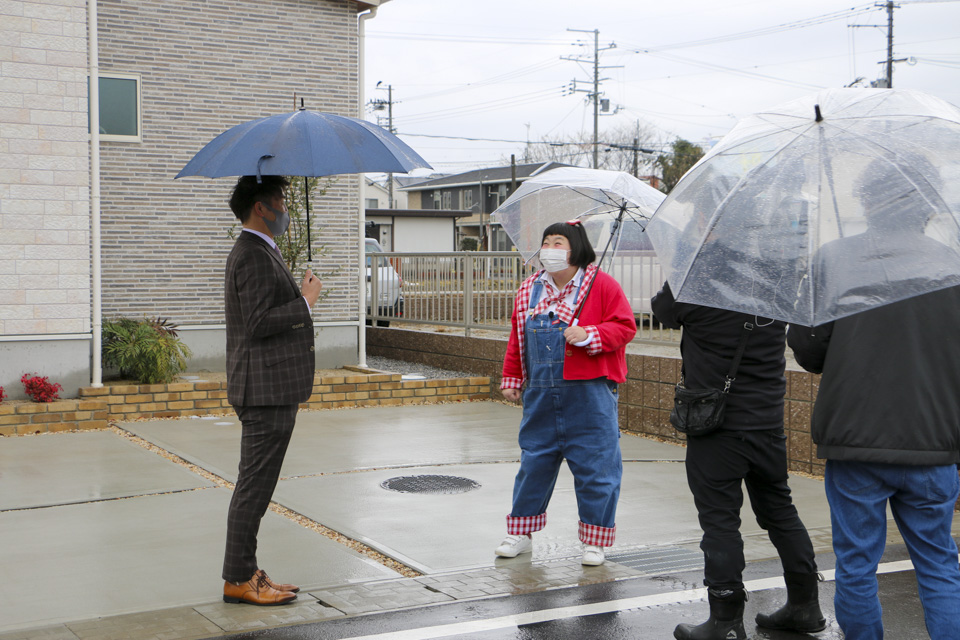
point(303, 143)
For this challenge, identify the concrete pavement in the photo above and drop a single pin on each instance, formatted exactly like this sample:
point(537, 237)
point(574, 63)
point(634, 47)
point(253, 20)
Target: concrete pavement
point(104, 537)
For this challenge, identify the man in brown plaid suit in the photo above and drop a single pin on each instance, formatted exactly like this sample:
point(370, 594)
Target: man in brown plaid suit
point(270, 370)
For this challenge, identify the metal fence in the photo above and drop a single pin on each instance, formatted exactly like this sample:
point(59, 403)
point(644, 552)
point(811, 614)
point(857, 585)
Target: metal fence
point(474, 290)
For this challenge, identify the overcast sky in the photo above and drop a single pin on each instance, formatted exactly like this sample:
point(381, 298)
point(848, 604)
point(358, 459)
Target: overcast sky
point(681, 68)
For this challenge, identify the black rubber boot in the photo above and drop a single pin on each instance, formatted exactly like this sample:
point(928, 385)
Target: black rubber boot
point(802, 611)
point(726, 618)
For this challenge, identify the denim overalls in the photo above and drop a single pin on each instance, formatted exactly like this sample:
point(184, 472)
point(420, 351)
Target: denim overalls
point(572, 419)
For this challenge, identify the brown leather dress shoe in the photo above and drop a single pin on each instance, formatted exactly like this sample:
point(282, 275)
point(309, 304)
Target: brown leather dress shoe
point(256, 590)
point(292, 588)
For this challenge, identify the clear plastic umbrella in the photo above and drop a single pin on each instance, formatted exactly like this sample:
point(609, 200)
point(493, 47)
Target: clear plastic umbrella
point(819, 208)
point(614, 208)
point(607, 202)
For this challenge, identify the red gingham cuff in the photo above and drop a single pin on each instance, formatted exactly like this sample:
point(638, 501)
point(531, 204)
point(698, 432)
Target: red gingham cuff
point(511, 383)
point(596, 536)
point(517, 526)
point(594, 347)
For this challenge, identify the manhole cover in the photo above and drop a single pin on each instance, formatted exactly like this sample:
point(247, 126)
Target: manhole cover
point(430, 484)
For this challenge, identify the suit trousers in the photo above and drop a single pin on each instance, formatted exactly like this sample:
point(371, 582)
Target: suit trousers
point(263, 445)
point(718, 464)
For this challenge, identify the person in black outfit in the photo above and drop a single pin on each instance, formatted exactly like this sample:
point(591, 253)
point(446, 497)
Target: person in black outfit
point(749, 447)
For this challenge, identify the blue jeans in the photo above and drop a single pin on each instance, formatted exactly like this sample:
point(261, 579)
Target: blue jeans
point(922, 500)
point(574, 420)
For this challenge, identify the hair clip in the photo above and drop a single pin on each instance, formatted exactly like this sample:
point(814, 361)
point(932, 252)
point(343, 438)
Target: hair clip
point(574, 222)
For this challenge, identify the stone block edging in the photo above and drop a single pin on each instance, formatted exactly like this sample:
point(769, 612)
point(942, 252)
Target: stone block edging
point(97, 406)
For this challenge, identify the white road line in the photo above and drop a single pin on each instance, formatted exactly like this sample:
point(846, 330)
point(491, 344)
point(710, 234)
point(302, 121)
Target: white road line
point(547, 615)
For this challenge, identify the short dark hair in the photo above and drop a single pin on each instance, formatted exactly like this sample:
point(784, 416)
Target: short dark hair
point(581, 251)
point(248, 191)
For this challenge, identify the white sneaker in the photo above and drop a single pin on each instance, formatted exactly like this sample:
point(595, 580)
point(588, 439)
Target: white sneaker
point(512, 546)
point(592, 556)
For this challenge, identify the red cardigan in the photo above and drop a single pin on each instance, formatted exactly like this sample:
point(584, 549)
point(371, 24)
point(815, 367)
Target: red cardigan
point(606, 315)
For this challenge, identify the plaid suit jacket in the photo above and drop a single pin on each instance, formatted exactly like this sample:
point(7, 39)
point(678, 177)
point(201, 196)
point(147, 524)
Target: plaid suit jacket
point(270, 343)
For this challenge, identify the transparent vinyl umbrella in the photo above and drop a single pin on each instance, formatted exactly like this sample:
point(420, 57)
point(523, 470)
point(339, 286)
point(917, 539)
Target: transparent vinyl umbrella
point(819, 208)
point(613, 206)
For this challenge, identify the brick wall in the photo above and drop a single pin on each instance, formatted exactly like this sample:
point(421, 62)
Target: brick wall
point(645, 399)
point(97, 406)
point(206, 66)
point(44, 198)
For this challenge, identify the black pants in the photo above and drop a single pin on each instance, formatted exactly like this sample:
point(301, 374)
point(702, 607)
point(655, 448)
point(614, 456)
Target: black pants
point(716, 464)
point(266, 434)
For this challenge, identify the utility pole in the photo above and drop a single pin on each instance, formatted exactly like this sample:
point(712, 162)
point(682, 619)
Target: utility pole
point(593, 95)
point(887, 81)
point(889, 44)
point(379, 105)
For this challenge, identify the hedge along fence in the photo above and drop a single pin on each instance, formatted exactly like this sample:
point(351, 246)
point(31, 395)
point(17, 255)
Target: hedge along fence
point(96, 407)
point(645, 399)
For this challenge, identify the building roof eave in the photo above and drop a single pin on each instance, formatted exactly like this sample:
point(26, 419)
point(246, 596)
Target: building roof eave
point(366, 5)
point(419, 213)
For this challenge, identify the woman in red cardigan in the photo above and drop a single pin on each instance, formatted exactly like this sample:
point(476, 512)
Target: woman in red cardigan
point(569, 371)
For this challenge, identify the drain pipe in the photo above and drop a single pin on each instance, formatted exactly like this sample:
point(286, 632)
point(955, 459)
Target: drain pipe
point(361, 214)
point(93, 96)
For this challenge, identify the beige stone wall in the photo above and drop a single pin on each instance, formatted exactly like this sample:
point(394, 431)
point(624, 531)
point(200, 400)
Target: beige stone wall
point(206, 66)
point(98, 407)
point(44, 169)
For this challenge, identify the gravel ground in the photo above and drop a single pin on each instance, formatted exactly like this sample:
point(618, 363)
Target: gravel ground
point(413, 368)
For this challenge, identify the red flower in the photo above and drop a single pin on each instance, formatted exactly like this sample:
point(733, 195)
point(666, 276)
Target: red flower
point(40, 388)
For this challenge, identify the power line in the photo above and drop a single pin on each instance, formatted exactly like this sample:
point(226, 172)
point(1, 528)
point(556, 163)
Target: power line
point(510, 75)
point(741, 35)
point(740, 72)
point(764, 31)
point(514, 100)
point(552, 143)
point(432, 37)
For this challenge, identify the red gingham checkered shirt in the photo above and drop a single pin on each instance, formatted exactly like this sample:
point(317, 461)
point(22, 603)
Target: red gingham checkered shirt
point(522, 307)
point(588, 533)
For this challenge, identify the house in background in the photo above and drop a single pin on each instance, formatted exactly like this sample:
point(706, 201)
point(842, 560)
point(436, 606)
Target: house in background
point(480, 192)
point(408, 230)
point(376, 194)
point(172, 75)
point(414, 230)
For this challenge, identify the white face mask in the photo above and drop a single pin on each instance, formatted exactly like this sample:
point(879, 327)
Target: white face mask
point(554, 260)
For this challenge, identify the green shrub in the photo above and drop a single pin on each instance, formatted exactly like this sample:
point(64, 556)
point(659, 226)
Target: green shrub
point(469, 244)
point(149, 351)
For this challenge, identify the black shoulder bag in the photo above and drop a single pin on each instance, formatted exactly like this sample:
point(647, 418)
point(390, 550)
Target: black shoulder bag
point(697, 412)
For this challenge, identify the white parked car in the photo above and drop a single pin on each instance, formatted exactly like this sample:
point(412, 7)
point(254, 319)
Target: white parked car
point(635, 264)
point(388, 283)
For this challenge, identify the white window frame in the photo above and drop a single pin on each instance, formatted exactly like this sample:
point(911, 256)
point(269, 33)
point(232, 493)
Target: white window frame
point(466, 199)
point(112, 137)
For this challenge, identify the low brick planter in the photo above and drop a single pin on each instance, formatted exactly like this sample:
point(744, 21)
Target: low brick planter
point(22, 417)
point(97, 406)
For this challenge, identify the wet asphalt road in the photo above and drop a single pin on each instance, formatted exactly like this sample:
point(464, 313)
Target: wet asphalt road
point(637, 608)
